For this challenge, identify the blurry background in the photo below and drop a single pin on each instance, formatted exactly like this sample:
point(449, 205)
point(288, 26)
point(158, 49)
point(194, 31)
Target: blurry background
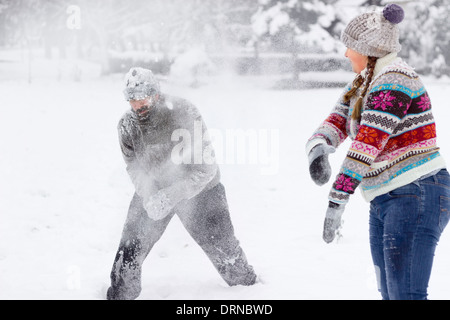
point(79, 38)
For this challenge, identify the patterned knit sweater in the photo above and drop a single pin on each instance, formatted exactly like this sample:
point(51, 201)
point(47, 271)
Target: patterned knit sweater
point(395, 142)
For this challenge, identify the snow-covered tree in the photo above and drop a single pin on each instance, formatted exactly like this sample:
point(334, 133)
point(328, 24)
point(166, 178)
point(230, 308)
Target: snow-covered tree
point(441, 62)
point(372, 3)
point(168, 26)
point(426, 36)
point(18, 20)
point(184, 24)
point(298, 26)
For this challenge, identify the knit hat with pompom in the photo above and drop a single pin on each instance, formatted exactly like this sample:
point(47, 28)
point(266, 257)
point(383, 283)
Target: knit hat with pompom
point(375, 34)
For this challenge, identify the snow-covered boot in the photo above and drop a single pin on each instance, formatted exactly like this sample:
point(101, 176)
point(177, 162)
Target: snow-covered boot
point(237, 271)
point(126, 275)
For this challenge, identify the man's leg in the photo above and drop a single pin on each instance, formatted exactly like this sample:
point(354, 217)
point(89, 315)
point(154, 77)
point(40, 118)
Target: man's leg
point(139, 236)
point(207, 219)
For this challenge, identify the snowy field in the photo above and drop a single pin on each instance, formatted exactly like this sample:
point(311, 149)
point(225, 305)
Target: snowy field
point(65, 194)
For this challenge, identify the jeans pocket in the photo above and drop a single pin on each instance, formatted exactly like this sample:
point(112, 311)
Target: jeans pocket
point(444, 214)
point(409, 190)
point(443, 178)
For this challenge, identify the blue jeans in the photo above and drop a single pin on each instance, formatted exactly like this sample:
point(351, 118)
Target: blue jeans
point(405, 227)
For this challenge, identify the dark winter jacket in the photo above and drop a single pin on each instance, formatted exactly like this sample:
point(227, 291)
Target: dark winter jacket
point(153, 148)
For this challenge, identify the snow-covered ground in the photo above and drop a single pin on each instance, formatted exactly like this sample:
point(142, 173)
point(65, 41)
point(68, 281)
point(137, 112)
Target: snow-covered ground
point(64, 195)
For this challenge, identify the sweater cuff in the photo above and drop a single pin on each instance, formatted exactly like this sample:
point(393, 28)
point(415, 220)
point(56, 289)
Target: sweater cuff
point(312, 143)
point(339, 197)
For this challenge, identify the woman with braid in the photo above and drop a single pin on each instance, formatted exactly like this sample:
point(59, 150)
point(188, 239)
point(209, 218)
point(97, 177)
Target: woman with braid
point(393, 159)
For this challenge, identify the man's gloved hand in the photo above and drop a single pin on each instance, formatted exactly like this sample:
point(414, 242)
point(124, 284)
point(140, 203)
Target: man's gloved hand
point(158, 206)
point(319, 167)
point(332, 222)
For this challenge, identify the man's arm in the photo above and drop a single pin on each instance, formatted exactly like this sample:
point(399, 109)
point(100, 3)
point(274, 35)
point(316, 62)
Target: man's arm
point(200, 174)
point(140, 179)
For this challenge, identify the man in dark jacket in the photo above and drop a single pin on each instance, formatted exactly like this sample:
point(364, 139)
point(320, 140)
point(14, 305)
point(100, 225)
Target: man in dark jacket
point(170, 180)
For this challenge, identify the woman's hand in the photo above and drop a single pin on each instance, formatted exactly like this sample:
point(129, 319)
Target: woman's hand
point(319, 166)
point(332, 222)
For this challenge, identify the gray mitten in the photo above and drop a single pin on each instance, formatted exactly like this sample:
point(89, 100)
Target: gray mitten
point(319, 166)
point(332, 222)
point(158, 206)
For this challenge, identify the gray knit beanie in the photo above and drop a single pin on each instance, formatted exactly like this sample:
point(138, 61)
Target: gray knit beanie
point(375, 34)
point(140, 83)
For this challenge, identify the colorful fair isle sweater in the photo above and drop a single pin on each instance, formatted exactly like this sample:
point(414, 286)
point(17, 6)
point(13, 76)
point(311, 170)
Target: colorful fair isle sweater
point(395, 142)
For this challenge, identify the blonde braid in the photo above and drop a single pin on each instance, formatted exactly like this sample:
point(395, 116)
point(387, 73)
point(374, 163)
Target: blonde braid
point(357, 83)
point(356, 115)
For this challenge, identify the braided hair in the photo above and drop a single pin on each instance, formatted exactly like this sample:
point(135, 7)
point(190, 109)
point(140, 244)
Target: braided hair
point(357, 83)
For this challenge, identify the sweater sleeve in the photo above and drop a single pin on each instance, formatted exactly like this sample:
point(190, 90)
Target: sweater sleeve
point(333, 130)
point(384, 108)
point(141, 180)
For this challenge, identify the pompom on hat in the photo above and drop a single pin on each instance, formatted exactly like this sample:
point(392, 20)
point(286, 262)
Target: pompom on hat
point(375, 34)
point(394, 13)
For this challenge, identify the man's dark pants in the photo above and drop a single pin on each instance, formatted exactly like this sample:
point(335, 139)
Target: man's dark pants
point(207, 219)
